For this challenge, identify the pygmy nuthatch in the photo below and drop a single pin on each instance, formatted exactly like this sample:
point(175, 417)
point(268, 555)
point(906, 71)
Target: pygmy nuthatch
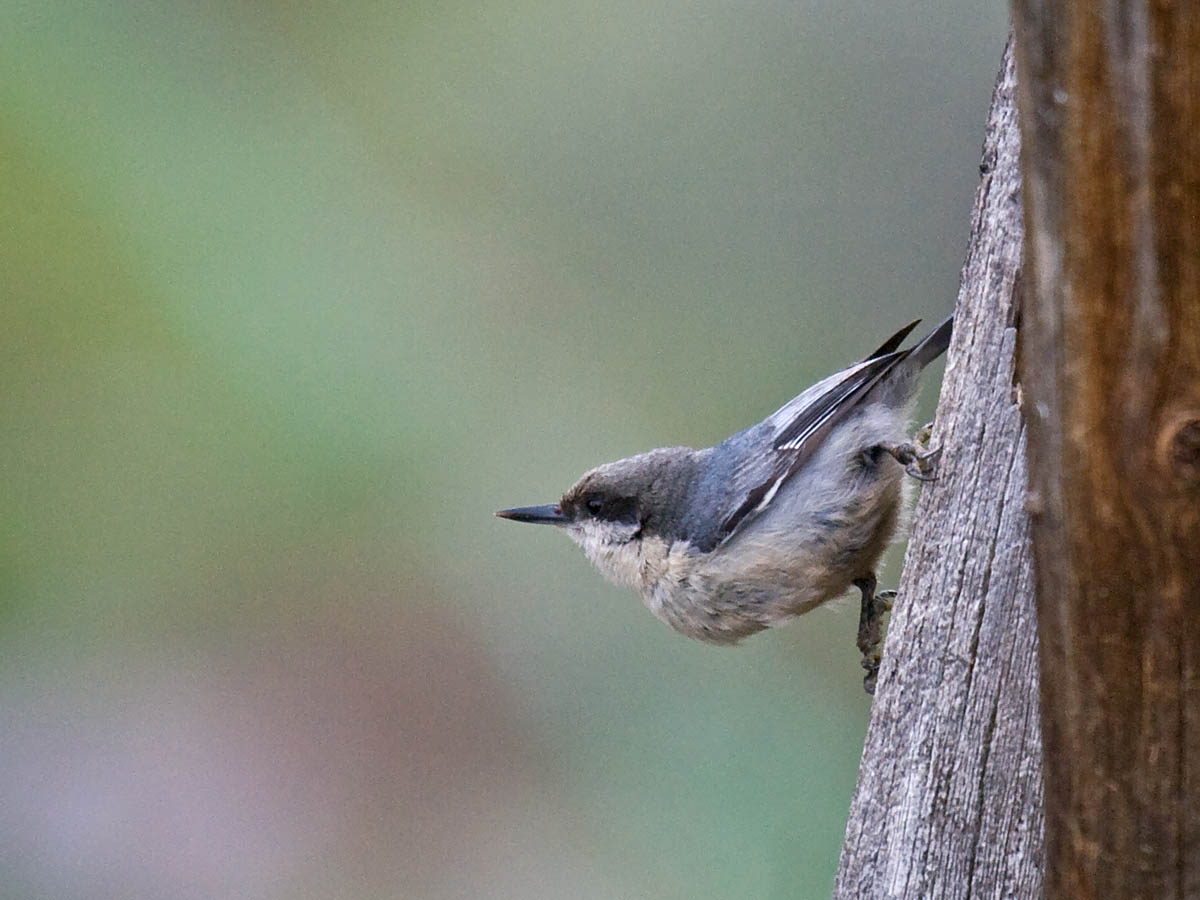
point(773, 521)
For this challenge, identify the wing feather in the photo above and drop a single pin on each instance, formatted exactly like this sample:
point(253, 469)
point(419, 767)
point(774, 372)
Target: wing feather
point(798, 430)
point(766, 455)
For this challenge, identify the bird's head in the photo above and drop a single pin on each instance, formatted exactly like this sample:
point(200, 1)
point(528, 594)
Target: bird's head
point(614, 507)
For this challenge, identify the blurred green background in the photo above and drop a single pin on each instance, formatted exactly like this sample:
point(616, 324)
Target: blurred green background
point(294, 295)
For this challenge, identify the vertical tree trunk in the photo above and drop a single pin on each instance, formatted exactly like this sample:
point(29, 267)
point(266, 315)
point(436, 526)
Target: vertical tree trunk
point(1110, 110)
point(948, 802)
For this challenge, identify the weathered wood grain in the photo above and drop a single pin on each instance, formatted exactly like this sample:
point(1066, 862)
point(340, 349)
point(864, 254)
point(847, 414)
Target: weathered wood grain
point(949, 798)
point(1110, 105)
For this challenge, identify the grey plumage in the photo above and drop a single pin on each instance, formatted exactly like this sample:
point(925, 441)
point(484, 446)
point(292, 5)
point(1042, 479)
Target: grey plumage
point(773, 521)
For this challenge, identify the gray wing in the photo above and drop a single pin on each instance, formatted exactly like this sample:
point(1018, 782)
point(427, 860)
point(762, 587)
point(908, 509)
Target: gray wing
point(789, 437)
point(747, 470)
point(804, 420)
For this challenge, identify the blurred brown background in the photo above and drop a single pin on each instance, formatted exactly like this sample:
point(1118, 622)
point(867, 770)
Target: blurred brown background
point(294, 295)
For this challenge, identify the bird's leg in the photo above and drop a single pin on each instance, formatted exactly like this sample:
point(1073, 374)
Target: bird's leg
point(921, 466)
point(870, 627)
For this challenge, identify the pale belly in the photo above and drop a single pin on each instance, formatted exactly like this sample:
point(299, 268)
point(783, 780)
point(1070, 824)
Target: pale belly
point(780, 569)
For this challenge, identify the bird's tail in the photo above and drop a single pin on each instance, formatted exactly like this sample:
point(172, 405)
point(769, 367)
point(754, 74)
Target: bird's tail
point(933, 346)
point(898, 370)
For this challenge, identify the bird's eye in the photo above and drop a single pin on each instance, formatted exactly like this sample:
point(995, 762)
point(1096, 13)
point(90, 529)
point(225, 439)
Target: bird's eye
point(594, 505)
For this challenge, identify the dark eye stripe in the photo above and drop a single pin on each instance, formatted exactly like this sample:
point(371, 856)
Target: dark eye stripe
point(611, 509)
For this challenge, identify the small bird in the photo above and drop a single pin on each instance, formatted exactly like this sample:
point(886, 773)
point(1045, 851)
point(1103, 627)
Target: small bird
point(772, 522)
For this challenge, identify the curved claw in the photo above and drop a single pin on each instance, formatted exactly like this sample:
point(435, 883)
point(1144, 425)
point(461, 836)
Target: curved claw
point(921, 466)
point(872, 676)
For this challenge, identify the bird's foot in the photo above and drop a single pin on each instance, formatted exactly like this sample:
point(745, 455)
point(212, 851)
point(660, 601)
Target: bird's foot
point(920, 465)
point(870, 627)
point(871, 664)
point(921, 438)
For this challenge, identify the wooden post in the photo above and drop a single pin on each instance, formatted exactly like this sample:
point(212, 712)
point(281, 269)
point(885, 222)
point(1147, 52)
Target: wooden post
point(1110, 118)
point(948, 802)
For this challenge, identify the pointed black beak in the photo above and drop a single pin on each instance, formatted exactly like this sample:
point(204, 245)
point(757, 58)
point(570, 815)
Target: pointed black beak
point(538, 515)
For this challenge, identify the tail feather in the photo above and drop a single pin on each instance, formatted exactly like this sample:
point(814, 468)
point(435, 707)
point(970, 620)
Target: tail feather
point(893, 343)
point(933, 346)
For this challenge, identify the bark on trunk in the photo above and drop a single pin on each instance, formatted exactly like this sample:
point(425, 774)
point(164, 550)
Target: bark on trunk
point(949, 796)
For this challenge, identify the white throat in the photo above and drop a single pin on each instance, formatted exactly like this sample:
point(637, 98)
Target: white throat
point(612, 548)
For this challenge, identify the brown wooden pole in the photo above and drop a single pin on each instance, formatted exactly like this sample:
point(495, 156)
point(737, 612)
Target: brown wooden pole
point(1109, 99)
